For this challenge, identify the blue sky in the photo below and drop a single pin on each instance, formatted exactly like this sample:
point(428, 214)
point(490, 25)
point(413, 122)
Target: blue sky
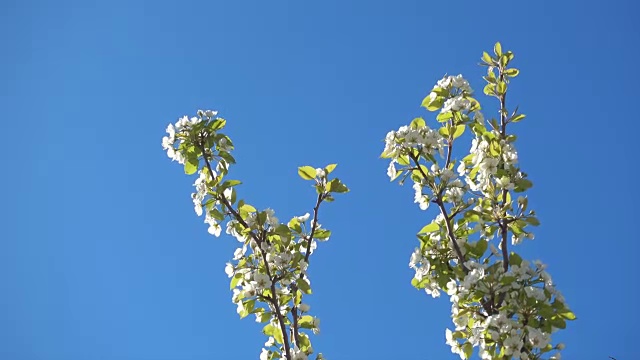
point(102, 256)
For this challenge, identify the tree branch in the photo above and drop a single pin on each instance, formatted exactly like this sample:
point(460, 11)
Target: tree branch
point(274, 294)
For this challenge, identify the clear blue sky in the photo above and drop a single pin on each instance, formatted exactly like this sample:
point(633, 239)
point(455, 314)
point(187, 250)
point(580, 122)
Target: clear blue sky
point(102, 256)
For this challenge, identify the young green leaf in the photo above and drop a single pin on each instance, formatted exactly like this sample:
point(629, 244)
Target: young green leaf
point(329, 168)
point(429, 228)
point(307, 172)
point(497, 49)
point(303, 285)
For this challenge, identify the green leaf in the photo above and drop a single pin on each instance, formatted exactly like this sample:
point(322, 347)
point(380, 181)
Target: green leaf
point(433, 105)
point(558, 322)
point(216, 214)
point(467, 348)
point(265, 316)
point(304, 342)
point(490, 89)
point(512, 72)
point(307, 172)
point(487, 58)
point(322, 234)
point(480, 247)
point(403, 160)
point(303, 285)
point(217, 124)
point(568, 315)
point(494, 148)
point(227, 157)
point(532, 221)
point(444, 131)
point(269, 330)
point(429, 228)
point(497, 49)
point(522, 185)
point(306, 322)
point(272, 330)
point(294, 225)
point(515, 259)
point(298, 298)
point(502, 87)
point(418, 123)
point(248, 308)
point(191, 165)
point(491, 77)
point(235, 279)
point(229, 183)
point(336, 186)
point(518, 118)
point(459, 130)
point(329, 168)
point(442, 117)
point(248, 208)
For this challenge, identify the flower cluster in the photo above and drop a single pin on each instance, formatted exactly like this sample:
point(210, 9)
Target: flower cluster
point(501, 304)
point(269, 269)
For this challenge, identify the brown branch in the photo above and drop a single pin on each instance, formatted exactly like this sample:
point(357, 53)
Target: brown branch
point(451, 235)
point(294, 315)
point(502, 222)
point(313, 228)
point(443, 210)
point(274, 295)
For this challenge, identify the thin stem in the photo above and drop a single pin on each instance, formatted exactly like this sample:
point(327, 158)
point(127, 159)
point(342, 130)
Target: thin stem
point(313, 228)
point(294, 315)
point(274, 294)
point(451, 235)
point(447, 220)
point(503, 222)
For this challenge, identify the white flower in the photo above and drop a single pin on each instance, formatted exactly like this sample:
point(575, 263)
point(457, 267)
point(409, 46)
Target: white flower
point(462, 168)
point(272, 220)
point(303, 265)
point(316, 326)
point(298, 355)
point(457, 103)
point(270, 342)
point(239, 307)
point(228, 269)
point(214, 228)
point(505, 183)
point(535, 293)
point(320, 173)
point(304, 307)
point(416, 258)
point(461, 83)
point(391, 170)
point(167, 142)
point(198, 208)
point(303, 218)
point(239, 253)
point(444, 82)
point(420, 199)
point(283, 260)
point(264, 355)
point(452, 287)
point(228, 192)
point(181, 123)
point(262, 280)
point(249, 289)
point(210, 113)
